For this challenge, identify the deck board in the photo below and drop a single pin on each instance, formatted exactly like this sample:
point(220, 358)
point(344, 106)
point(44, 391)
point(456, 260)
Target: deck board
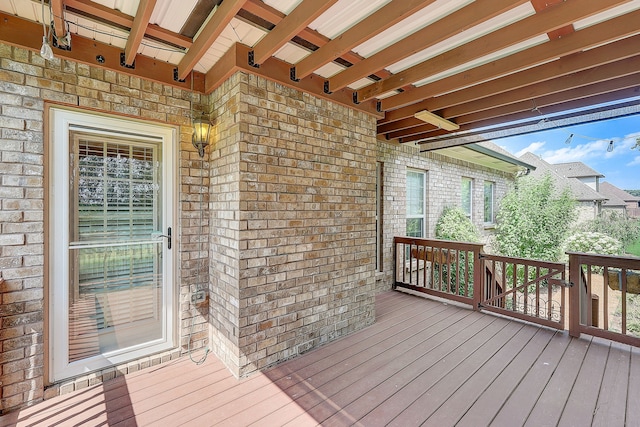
point(422, 363)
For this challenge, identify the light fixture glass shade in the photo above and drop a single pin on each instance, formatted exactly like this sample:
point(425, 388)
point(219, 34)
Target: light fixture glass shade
point(610, 146)
point(201, 133)
point(45, 50)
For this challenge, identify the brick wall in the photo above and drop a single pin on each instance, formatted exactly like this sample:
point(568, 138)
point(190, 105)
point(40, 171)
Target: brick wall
point(444, 176)
point(26, 83)
point(305, 222)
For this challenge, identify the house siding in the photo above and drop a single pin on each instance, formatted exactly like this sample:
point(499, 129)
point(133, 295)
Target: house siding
point(285, 245)
point(27, 85)
point(444, 175)
point(294, 217)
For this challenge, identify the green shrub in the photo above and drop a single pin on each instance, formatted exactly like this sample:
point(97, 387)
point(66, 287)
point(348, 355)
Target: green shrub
point(626, 230)
point(454, 225)
point(599, 243)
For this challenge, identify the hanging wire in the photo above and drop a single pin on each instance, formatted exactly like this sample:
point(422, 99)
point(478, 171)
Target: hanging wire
point(110, 34)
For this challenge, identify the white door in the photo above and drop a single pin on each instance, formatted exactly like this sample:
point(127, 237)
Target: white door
point(110, 245)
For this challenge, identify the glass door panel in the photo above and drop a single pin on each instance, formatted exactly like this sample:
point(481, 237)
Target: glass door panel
point(115, 261)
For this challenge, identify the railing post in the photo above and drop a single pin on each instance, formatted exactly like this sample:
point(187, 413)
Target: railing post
point(574, 295)
point(478, 278)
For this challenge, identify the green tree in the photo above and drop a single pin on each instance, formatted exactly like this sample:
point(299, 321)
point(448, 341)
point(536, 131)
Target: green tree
point(533, 220)
point(454, 224)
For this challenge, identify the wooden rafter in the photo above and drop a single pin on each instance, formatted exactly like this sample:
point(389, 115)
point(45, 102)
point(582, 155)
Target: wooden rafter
point(235, 59)
point(575, 86)
point(541, 23)
point(607, 91)
point(373, 24)
point(106, 14)
point(305, 13)
point(590, 82)
point(212, 29)
point(269, 14)
point(26, 34)
point(585, 39)
point(463, 19)
point(57, 9)
point(138, 29)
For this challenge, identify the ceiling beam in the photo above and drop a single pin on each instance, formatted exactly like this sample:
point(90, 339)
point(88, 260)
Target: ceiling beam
point(463, 19)
point(210, 32)
point(57, 9)
point(541, 23)
point(108, 15)
point(600, 93)
point(580, 85)
point(28, 35)
point(269, 14)
point(370, 26)
point(527, 119)
point(589, 76)
point(138, 29)
point(592, 58)
point(595, 114)
point(290, 26)
point(605, 62)
point(587, 38)
point(235, 59)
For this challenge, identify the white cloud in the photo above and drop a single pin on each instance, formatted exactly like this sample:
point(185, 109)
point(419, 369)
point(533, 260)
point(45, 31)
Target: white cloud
point(634, 162)
point(531, 148)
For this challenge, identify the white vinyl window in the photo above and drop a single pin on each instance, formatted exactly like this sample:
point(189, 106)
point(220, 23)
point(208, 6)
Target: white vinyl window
point(466, 199)
point(416, 203)
point(489, 194)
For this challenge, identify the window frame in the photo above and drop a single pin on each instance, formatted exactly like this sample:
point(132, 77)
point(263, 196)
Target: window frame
point(468, 212)
point(492, 218)
point(423, 215)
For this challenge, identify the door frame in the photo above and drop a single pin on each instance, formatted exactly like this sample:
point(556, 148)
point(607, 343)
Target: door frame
point(60, 121)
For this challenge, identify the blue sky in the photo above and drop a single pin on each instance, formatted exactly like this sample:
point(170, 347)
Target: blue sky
point(621, 167)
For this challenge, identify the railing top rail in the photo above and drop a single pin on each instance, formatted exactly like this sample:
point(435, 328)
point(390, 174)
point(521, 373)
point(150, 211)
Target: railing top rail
point(528, 261)
point(439, 243)
point(616, 261)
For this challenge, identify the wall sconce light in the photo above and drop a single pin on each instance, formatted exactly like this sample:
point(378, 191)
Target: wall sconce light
point(201, 132)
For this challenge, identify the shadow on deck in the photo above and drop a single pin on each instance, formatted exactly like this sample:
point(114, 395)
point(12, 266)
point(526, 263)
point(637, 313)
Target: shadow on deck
point(422, 363)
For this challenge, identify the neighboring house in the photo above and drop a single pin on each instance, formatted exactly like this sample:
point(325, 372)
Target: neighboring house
point(415, 187)
point(581, 172)
point(614, 203)
point(618, 197)
point(582, 186)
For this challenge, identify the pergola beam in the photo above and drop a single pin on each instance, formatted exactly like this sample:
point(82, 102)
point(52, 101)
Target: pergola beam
point(290, 26)
point(588, 38)
point(550, 19)
point(57, 9)
point(212, 29)
point(372, 25)
point(138, 29)
point(106, 14)
point(461, 20)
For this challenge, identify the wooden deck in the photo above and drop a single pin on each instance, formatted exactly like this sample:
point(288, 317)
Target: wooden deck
point(422, 363)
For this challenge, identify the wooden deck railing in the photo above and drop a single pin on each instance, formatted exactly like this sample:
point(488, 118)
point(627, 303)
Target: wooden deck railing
point(605, 298)
point(438, 267)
